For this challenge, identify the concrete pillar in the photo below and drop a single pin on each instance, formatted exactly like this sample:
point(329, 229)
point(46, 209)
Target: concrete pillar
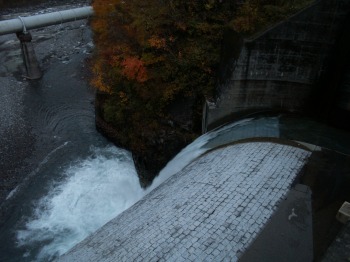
point(29, 58)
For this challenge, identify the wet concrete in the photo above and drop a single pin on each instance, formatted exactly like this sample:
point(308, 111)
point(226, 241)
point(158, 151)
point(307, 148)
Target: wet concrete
point(328, 176)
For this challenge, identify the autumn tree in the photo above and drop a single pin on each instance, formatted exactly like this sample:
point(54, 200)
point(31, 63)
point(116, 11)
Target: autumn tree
point(153, 55)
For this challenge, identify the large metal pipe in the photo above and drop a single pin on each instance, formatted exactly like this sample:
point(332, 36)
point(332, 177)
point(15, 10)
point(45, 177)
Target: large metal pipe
point(31, 22)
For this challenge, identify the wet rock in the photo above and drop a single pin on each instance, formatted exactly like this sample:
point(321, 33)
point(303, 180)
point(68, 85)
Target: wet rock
point(159, 147)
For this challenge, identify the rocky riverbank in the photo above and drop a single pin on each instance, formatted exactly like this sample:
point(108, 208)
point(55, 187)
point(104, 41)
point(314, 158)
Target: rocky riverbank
point(20, 136)
point(8, 7)
point(47, 135)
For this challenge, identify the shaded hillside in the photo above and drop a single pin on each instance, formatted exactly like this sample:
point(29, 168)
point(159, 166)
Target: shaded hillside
point(157, 61)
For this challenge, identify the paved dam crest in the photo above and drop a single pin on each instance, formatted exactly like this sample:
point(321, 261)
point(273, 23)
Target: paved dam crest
point(212, 210)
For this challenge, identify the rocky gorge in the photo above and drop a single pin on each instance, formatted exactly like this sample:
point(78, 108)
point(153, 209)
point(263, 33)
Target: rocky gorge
point(154, 76)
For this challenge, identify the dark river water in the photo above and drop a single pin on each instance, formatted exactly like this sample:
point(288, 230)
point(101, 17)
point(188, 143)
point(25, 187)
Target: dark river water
point(60, 179)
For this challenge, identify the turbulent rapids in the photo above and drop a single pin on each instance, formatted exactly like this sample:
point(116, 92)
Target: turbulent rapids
point(94, 190)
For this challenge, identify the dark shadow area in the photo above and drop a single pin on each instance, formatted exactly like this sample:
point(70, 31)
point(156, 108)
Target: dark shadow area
point(328, 175)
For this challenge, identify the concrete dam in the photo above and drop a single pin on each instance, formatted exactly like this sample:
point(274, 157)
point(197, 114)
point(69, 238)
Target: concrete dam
point(253, 193)
point(248, 196)
point(210, 211)
point(299, 65)
point(263, 181)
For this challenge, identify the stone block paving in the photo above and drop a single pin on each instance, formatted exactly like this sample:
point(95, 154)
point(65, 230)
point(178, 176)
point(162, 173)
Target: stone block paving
point(210, 211)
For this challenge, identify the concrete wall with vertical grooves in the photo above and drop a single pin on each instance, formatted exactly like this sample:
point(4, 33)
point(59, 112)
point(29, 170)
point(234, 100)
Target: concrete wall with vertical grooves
point(279, 68)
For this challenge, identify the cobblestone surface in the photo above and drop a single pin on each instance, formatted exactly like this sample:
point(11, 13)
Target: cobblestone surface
point(210, 211)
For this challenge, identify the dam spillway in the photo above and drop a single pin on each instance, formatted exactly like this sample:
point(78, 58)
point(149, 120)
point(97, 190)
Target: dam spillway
point(212, 210)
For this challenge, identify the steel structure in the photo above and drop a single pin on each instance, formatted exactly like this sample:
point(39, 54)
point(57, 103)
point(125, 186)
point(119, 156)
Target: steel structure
point(22, 24)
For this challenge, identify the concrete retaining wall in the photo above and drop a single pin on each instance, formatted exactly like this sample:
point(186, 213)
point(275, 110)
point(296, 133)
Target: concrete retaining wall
point(279, 68)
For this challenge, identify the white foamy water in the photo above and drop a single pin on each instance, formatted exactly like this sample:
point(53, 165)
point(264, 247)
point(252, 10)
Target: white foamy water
point(181, 160)
point(191, 152)
point(96, 190)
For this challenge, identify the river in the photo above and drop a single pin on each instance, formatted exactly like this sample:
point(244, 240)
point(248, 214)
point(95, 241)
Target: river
point(60, 179)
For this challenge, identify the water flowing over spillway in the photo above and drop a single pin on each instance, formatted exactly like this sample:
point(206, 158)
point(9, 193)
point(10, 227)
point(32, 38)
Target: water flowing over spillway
point(66, 179)
point(60, 179)
point(95, 190)
point(69, 180)
point(91, 192)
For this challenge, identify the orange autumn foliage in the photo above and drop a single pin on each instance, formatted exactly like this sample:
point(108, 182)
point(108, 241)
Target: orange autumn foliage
point(98, 81)
point(104, 7)
point(156, 42)
point(134, 69)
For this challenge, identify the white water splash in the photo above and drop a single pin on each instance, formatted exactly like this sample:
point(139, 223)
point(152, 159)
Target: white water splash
point(96, 190)
point(181, 160)
point(191, 152)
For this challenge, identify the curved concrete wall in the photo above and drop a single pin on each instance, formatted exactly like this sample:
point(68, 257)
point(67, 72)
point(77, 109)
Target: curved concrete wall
point(210, 211)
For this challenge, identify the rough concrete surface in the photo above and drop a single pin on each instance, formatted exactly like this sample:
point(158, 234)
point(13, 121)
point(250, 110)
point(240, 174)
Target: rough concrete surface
point(210, 211)
point(278, 68)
